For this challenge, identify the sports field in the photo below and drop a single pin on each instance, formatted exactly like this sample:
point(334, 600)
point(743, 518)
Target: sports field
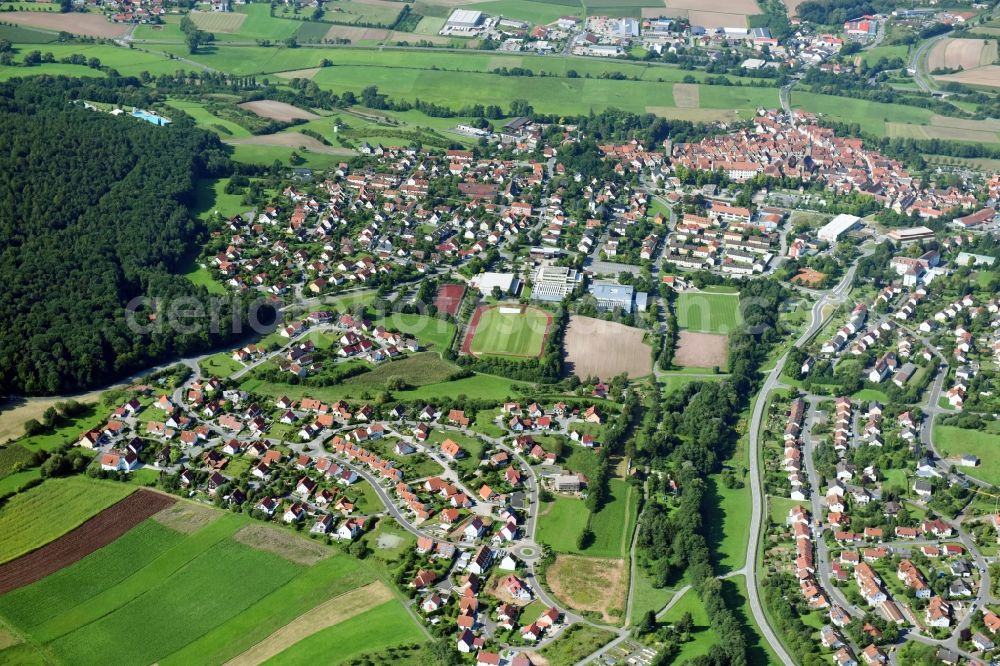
point(508, 331)
point(706, 312)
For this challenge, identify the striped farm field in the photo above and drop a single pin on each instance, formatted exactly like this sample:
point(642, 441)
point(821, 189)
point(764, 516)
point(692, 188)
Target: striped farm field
point(199, 586)
point(706, 312)
point(34, 518)
point(508, 331)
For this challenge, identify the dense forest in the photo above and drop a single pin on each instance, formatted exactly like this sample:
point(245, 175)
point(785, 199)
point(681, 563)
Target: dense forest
point(92, 214)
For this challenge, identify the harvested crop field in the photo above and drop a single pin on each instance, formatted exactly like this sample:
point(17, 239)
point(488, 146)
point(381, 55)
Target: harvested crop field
point(988, 75)
point(228, 22)
point(686, 95)
point(90, 25)
point(589, 583)
point(284, 544)
point(356, 34)
point(96, 533)
point(269, 108)
point(701, 350)
point(598, 348)
point(713, 13)
point(961, 53)
point(327, 614)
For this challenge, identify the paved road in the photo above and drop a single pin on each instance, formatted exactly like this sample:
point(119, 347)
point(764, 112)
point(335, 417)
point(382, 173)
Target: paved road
point(758, 500)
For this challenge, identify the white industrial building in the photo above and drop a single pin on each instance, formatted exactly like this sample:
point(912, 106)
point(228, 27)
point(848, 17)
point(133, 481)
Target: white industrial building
point(837, 227)
point(464, 19)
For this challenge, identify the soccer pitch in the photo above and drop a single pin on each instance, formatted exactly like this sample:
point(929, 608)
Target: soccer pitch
point(707, 312)
point(509, 331)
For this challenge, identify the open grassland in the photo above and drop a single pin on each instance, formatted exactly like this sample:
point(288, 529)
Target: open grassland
point(590, 584)
point(500, 333)
point(561, 522)
point(706, 312)
point(433, 332)
point(952, 442)
point(613, 524)
point(220, 365)
point(482, 387)
point(33, 518)
point(381, 627)
point(574, 644)
point(416, 370)
point(18, 34)
point(8, 72)
point(207, 120)
point(128, 62)
point(871, 116)
point(528, 10)
point(728, 524)
point(703, 637)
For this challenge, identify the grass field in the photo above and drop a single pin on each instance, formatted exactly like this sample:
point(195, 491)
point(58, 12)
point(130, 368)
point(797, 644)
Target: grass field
point(872, 116)
point(34, 518)
point(220, 365)
point(575, 643)
point(431, 331)
point(561, 522)
point(707, 312)
point(423, 368)
point(953, 442)
point(207, 120)
point(519, 334)
point(703, 637)
point(381, 627)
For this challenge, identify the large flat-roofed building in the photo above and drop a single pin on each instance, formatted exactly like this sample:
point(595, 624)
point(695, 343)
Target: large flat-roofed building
point(837, 227)
point(553, 283)
point(611, 296)
point(506, 282)
point(910, 235)
point(464, 19)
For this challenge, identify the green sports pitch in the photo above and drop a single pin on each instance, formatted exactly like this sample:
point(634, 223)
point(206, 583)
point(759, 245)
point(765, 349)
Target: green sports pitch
point(509, 330)
point(706, 312)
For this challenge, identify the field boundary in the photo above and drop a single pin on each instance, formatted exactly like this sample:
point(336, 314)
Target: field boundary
point(92, 535)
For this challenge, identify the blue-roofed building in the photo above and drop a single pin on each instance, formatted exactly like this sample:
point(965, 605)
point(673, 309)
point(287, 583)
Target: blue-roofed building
point(611, 296)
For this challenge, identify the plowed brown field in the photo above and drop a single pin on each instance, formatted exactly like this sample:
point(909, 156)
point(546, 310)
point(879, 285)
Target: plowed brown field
point(73, 546)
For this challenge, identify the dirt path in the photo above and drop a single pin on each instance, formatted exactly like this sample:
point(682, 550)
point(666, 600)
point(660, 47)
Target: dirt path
point(325, 615)
point(73, 546)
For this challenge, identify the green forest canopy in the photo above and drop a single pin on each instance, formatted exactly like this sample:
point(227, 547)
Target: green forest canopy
point(92, 213)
